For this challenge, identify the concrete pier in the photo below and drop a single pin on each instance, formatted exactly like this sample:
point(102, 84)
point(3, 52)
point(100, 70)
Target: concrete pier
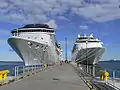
point(57, 78)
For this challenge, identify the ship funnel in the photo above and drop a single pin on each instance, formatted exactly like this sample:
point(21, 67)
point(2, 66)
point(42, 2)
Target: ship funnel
point(52, 24)
point(78, 36)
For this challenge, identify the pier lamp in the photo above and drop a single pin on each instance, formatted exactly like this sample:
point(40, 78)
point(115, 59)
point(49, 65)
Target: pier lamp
point(86, 54)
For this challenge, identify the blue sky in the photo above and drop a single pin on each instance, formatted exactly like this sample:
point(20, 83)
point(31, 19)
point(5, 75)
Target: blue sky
point(72, 17)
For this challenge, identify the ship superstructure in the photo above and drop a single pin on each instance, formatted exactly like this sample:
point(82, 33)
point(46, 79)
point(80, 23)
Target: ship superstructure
point(87, 50)
point(35, 44)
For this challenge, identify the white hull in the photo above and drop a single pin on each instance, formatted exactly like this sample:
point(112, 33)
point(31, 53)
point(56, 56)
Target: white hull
point(33, 55)
point(89, 56)
point(87, 50)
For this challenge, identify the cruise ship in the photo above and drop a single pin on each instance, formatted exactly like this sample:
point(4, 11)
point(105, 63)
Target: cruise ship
point(87, 50)
point(35, 44)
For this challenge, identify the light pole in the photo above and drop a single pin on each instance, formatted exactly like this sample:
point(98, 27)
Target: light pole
point(66, 48)
point(86, 55)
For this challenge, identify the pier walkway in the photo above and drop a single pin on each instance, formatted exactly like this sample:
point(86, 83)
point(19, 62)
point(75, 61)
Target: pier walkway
point(56, 78)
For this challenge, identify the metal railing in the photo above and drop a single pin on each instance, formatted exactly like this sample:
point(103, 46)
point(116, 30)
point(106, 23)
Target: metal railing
point(92, 81)
point(26, 70)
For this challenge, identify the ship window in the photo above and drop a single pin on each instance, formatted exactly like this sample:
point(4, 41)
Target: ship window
point(42, 38)
point(41, 46)
point(37, 45)
point(35, 37)
point(28, 37)
point(15, 34)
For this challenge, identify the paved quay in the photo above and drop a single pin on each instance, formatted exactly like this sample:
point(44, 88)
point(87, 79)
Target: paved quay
point(57, 78)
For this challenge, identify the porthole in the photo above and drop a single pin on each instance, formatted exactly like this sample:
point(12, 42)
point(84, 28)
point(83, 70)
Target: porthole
point(42, 38)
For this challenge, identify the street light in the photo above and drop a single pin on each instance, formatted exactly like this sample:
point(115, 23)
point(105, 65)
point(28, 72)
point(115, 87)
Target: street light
point(86, 55)
point(66, 49)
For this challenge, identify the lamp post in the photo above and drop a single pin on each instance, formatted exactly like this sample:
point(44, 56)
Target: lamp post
point(66, 48)
point(86, 55)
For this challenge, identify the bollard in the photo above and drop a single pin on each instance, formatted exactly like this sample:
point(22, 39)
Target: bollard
point(45, 66)
point(0, 75)
point(102, 75)
point(106, 74)
point(5, 73)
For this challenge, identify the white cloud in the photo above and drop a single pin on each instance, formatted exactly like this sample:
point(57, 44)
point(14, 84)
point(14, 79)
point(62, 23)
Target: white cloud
point(3, 4)
point(83, 27)
point(37, 11)
point(63, 18)
point(108, 10)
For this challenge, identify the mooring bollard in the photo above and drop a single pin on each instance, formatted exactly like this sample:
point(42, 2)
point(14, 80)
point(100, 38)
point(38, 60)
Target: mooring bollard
point(102, 75)
point(45, 66)
point(106, 74)
point(4, 74)
point(0, 75)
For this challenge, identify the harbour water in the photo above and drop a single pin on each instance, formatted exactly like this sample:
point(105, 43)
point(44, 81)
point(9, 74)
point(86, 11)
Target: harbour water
point(10, 65)
point(111, 66)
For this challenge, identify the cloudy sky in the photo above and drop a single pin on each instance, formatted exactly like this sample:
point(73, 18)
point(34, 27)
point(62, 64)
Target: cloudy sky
point(72, 17)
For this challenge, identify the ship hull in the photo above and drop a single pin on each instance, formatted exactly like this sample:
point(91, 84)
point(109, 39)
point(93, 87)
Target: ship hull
point(32, 52)
point(89, 56)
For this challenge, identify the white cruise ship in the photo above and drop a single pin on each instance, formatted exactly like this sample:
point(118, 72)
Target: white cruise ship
point(87, 50)
point(35, 44)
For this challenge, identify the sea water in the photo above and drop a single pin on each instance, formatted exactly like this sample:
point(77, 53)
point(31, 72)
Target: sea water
point(10, 65)
point(111, 66)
